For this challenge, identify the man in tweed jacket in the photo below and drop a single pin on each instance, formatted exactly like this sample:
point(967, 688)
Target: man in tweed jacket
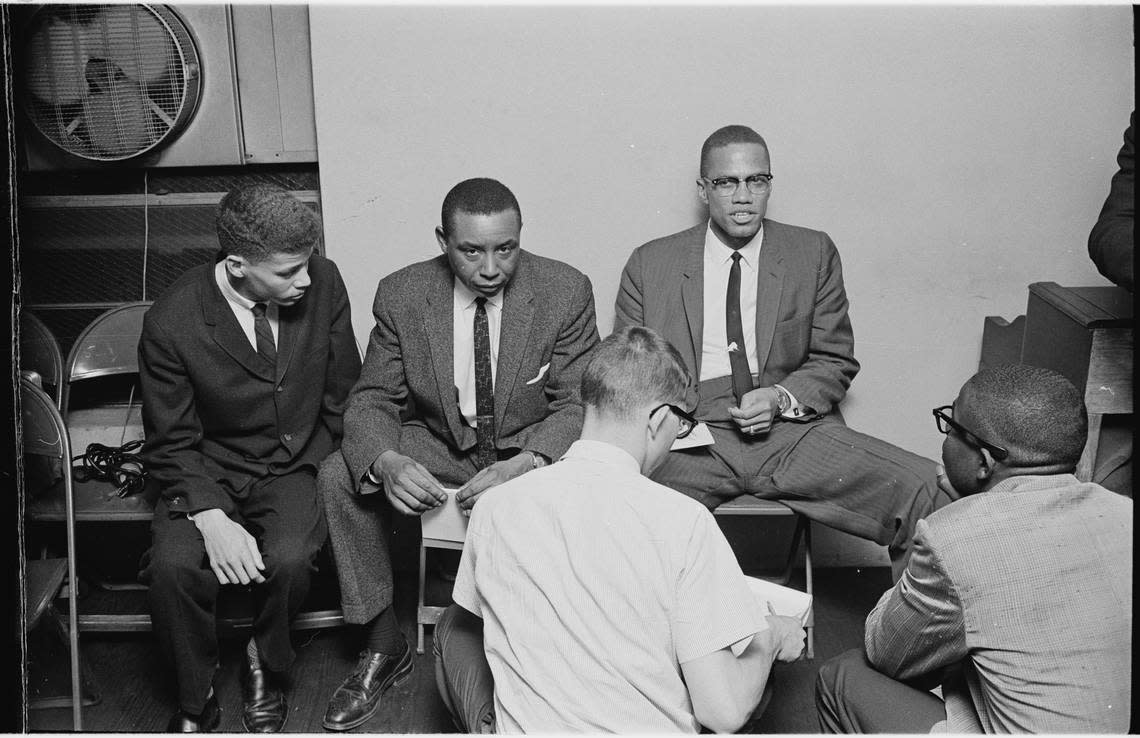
point(1017, 598)
point(411, 425)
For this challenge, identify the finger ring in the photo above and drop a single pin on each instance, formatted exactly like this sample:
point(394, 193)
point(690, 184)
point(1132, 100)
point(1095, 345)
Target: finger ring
point(751, 429)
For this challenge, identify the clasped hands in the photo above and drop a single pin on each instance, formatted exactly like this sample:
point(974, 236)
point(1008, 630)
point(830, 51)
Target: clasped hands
point(758, 409)
point(413, 490)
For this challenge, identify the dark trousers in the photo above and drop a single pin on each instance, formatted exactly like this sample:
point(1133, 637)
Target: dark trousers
point(462, 672)
point(359, 525)
point(283, 514)
point(851, 697)
point(832, 474)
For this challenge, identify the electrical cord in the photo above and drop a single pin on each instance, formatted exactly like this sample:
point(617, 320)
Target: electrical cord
point(114, 464)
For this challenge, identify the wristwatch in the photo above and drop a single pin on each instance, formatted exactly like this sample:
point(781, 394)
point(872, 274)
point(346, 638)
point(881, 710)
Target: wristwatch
point(539, 460)
point(783, 400)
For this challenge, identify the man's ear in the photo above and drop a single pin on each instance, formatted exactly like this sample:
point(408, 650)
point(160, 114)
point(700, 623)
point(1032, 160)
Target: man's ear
point(235, 265)
point(701, 191)
point(656, 420)
point(442, 239)
point(986, 468)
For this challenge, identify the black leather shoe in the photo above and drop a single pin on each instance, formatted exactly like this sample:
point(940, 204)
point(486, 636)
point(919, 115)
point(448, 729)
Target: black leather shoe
point(263, 709)
point(355, 701)
point(206, 722)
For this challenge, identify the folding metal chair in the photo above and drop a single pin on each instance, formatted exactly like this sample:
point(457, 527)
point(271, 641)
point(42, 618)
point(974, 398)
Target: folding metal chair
point(45, 435)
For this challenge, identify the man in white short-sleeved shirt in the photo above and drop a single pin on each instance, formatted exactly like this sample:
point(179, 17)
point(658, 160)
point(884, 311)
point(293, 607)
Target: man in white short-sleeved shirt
point(605, 601)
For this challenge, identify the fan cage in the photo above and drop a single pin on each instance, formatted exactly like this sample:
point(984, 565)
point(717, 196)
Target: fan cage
point(109, 82)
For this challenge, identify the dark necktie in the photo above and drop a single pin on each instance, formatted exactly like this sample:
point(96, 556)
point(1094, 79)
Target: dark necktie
point(484, 389)
point(738, 357)
point(264, 333)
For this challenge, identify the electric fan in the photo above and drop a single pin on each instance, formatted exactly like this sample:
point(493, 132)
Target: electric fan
point(109, 82)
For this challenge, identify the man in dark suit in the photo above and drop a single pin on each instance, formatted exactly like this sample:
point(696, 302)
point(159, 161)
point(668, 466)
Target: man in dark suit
point(470, 379)
point(245, 366)
point(759, 312)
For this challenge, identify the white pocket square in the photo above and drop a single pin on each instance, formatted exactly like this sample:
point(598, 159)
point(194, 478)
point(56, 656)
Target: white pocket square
point(541, 374)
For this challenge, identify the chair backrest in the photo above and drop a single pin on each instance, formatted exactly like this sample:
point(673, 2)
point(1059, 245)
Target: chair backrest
point(109, 345)
point(39, 352)
point(44, 431)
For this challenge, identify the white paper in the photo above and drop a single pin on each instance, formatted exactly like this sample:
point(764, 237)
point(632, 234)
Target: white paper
point(701, 436)
point(446, 522)
point(784, 600)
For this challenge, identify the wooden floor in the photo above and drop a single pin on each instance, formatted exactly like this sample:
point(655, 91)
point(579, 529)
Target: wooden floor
point(138, 694)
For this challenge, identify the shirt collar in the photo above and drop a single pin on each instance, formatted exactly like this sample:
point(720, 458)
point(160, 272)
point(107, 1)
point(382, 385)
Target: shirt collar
point(465, 297)
point(232, 296)
point(717, 253)
point(603, 452)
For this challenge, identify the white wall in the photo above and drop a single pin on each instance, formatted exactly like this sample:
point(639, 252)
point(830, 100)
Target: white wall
point(954, 154)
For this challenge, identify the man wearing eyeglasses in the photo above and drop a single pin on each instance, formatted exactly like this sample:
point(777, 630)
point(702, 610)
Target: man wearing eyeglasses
point(758, 310)
point(591, 599)
point(1017, 597)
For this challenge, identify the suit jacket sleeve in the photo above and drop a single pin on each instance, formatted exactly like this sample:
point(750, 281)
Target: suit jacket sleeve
point(1111, 243)
point(344, 360)
point(629, 309)
point(573, 347)
point(172, 427)
point(372, 415)
point(918, 627)
point(821, 381)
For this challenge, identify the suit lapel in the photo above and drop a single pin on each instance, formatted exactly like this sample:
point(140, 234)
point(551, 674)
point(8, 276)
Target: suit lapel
point(438, 326)
point(769, 286)
point(693, 298)
point(226, 332)
point(288, 324)
point(514, 335)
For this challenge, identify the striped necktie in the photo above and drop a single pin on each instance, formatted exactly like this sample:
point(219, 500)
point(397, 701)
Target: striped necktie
point(484, 389)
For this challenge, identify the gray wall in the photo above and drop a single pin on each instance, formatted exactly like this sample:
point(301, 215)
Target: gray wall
point(954, 154)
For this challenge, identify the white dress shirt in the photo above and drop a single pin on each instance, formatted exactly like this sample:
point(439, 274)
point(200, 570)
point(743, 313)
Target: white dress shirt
point(595, 584)
point(714, 342)
point(463, 330)
point(243, 306)
point(714, 338)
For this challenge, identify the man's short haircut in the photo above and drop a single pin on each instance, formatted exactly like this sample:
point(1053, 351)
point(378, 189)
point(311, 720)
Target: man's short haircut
point(257, 221)
point(729, 135)
point(478, 196)
point(632, 368)
point(1035, 413)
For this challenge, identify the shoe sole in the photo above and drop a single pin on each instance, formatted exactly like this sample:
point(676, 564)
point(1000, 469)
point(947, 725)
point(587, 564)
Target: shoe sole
point(283, 722)
point(397, 679)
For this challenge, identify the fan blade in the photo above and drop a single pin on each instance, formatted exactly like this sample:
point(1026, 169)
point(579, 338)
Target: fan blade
point(136, 42)
point(54, 60)
point(118, 120)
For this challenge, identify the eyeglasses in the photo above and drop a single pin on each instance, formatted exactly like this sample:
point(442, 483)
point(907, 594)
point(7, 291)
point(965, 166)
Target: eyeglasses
point(688, 422)
point(945, 422)
point(757, 184)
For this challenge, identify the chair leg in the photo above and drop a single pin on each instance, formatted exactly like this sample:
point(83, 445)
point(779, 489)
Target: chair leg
point(80, 679)
point(420, 607)
point(809, 588)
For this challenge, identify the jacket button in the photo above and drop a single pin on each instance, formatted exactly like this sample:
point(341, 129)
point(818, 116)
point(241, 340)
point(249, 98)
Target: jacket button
point(288, 436)
point(280, 388)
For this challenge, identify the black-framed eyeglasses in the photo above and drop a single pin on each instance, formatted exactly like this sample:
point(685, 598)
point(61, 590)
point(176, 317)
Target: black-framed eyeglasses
point(688, 422)
point(757, 184)
point(945, 422)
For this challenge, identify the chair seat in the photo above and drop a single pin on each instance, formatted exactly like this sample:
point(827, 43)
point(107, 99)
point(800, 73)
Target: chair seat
point(749, 505)
point(44, 578)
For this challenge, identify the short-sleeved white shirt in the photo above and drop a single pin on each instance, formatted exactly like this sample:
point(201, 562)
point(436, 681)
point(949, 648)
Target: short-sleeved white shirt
point(594, 585)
